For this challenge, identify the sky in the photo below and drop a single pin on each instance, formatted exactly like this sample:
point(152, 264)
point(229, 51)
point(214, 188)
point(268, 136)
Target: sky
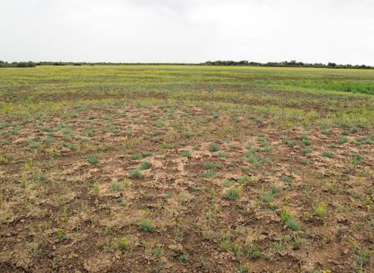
point(188, 31)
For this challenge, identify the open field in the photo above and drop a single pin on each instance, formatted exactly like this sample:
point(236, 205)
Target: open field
point(186, 169)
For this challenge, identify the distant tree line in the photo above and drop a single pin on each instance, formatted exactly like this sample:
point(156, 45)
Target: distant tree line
point(287, 64)
point(218, 63)
point(17, 64)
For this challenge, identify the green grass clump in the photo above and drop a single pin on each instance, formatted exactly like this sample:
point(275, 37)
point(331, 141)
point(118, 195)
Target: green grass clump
point(137, 156)
point(116, 186)
point(285, 179)
point(186, 154)
point(327, 154)
point(232, 193)
point(183, 258)
point(33, 144)
point(245, 179)
point(210, 166)
point(356, 159)
point(209, 174)
point(227, 183)
point(147, 154)
point(320, 210)
point(145, 166)
point(123, 243)
point(266, 197)
point(213, 148)
point(4, 160)
point(135, 174)
point(92, 159)
point(146, 225)
point(289, 221)
point(326, 132)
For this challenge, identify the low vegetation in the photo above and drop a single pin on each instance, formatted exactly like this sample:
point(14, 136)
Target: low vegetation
point(186, 169)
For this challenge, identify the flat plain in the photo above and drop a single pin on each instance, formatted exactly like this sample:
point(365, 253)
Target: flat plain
point(186, 169)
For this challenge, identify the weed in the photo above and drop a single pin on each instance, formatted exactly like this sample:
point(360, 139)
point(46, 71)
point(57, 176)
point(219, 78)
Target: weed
point(33, 144)
point(116, 187)
point(210, 166)
point(225, 244)
point(292, 224)
point(252, 251)
point(183, 258)
point(213, 148)
point(92, 159)
point(326, 132)
point(356, 159)
point(266, 197)
point(186, 154)
point(123, 243)
point(209, 174)
point(232, 193)
point(137, 156)
point(135, 174)
point(289, 221)
point(147, 154)
point(146, 225)
point(362, 258)
point(285, 179)
point(235, 248)
point(243, 269)
point(227, 183)
point(245, 179)
point(4, 160)
point(327, 154)
point(61, 235)
point(145, 166)
point(320, 210)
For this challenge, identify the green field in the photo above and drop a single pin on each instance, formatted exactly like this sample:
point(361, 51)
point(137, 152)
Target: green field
point(186, 169)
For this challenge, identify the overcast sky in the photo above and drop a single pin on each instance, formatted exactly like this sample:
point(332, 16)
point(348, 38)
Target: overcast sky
point(340, 31)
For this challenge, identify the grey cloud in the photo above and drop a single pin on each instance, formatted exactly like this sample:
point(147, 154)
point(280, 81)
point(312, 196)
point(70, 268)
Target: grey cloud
point(187, 30)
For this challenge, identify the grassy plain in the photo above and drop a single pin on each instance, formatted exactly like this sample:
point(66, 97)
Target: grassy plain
point(186, 169)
